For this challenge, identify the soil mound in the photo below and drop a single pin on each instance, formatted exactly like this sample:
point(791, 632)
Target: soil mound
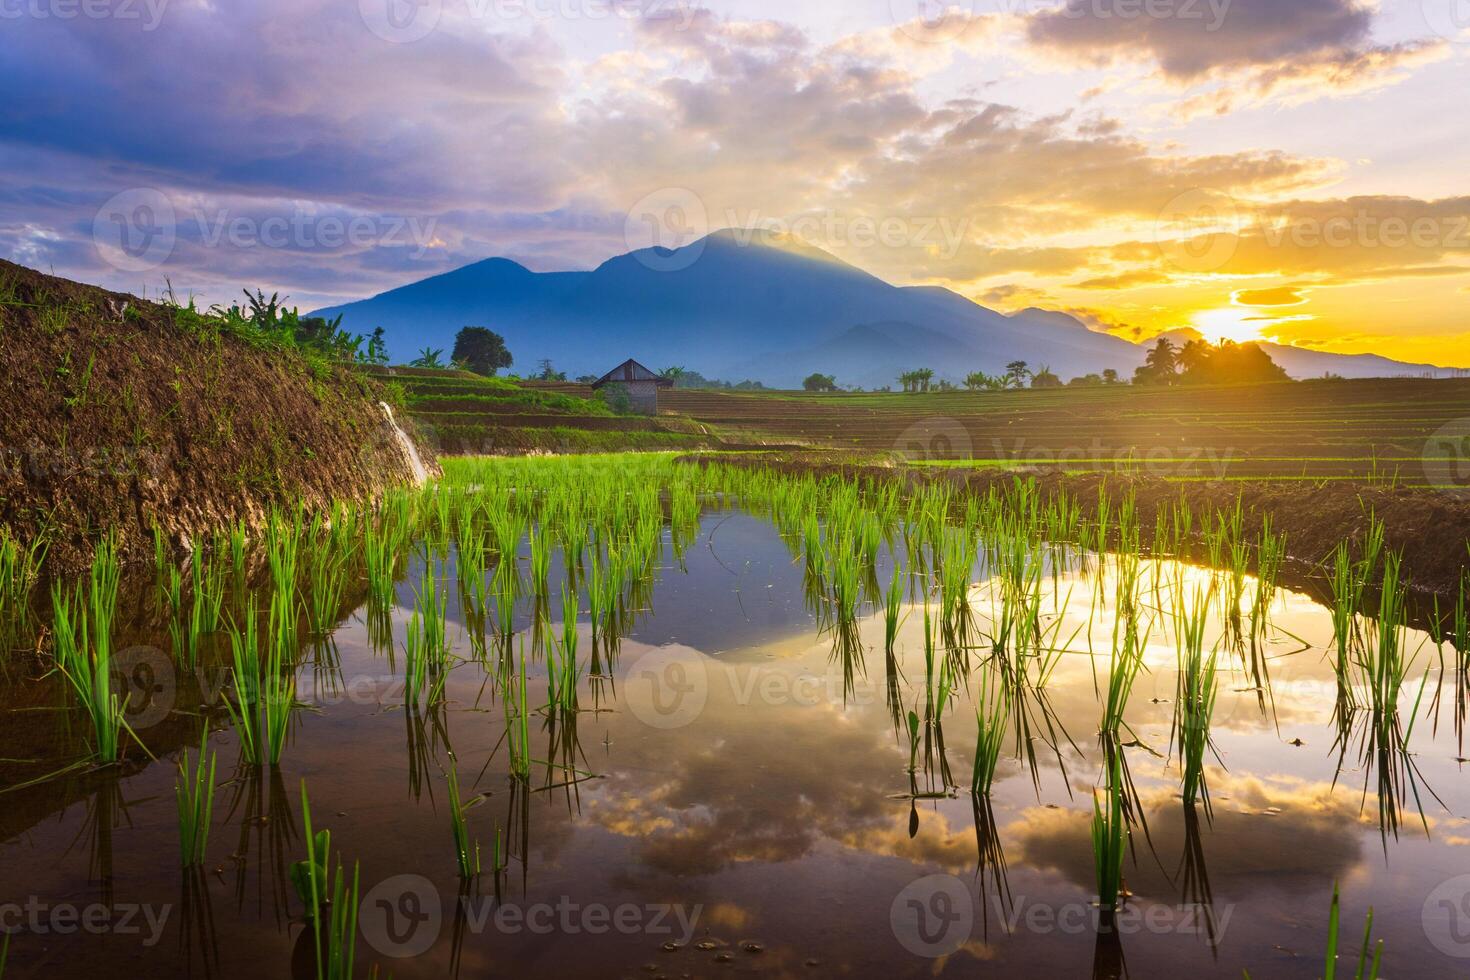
point(117, 413)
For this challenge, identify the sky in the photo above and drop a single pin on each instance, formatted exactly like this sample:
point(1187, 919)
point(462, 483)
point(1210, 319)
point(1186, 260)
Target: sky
point(1294, 170)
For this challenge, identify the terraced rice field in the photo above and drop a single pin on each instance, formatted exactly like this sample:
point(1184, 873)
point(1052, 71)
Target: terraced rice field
point(460, 412)
point(629, 716)
point(1404, 431)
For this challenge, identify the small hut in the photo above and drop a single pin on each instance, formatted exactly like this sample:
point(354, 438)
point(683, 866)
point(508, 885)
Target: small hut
point(641, 384)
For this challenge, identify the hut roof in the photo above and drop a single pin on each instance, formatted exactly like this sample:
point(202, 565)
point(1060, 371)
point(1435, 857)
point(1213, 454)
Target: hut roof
point(628, 371)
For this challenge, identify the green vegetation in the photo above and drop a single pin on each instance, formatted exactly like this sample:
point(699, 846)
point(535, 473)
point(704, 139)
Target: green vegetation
point(82, 638)
point(331, 903)
point(480, 350)
point(194, 789)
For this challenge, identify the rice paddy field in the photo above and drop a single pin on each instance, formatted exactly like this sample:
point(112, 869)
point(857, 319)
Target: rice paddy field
point(1392, 431)
point(635, 716)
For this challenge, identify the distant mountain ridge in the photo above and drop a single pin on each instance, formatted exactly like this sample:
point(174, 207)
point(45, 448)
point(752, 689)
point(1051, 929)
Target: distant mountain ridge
point(736, 310)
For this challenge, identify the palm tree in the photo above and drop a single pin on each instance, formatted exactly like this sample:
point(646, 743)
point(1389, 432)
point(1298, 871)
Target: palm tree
point(1162, 362)
point(1194, 355)
point(922, 377)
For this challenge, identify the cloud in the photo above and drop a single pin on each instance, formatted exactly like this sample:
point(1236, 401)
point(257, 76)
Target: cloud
point(1274, 296)
point(1124, 280)
point(1300, 48)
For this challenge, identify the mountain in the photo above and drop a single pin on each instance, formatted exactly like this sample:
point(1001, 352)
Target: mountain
point(774, 313)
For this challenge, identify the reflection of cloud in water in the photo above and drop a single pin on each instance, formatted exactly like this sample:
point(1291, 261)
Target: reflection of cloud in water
point(765, 792)
point(1314, 839)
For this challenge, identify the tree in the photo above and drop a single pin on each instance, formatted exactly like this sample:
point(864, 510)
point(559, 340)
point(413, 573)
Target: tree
point(548, 372)
point(980, 381)
point(482, 349)
point(1086, 381)
point(1193, 355)
point(922, 377)
point(377, 349)
point(674, 373)
point(1110, 376)
point(1232, 363)
point(1016, 374)
point(820, 382)
point(1045, 378)
point(429, 358)
point(1161, 366)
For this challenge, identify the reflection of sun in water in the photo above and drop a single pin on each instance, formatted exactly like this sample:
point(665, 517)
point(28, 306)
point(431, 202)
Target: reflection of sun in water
point(1230, 323)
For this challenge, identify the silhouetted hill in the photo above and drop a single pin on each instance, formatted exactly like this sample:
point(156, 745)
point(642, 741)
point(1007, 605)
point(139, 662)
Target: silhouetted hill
point(773, 313)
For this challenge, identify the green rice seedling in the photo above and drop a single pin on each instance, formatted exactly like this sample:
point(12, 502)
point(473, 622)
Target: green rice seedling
point(540, 561)
point(327, 583)
point(845, 566)
point(992, 708)
point(938, 683)
point(563, 672)
point(892, 608)
point(504, 587)
point(518, 728)
point(1346, 599)
point(466, 851)
point(1195, 694)
point(206, 602)
point(331, 904)
point(194, 790)
point(1109, 838)
point(1367, 969)
point(283, 544)
point(913, 733)
point(1123, 668)
point(1270, 553)
point(20, 569)
point(238, 562)
point(426, 645)
point(82, 638)
point(265, 695)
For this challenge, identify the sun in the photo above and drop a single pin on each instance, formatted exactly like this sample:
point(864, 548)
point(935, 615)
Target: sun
point(1229, 323)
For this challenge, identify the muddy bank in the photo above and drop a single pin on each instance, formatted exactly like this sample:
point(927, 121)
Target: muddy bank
point(1430, 528)
point(120, 413)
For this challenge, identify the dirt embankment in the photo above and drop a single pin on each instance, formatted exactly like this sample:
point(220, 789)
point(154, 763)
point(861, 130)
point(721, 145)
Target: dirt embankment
point(1430, 528)
point(116, 413)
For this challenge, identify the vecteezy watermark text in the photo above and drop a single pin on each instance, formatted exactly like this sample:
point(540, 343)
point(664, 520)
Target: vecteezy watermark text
point(147, 14)
point(403, 916)
point(41, 918)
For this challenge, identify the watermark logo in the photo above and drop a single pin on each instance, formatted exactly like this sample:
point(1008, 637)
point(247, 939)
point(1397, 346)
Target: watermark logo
point(933, 21)
point(666, 229)
point(933, 916)
point(1450, 19)
point(668, 687)
point(136, 230)
point(1446, 458)
point(935, 438)
point(402, 916)
point(1446, 917)
point(1198, 231)
point(401, 21)
point(145, 677)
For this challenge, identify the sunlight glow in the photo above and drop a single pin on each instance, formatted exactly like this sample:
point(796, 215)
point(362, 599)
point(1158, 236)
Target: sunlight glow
point(1230, 323)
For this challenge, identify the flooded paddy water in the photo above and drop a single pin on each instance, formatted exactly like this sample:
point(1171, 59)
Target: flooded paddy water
point(785, 727)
